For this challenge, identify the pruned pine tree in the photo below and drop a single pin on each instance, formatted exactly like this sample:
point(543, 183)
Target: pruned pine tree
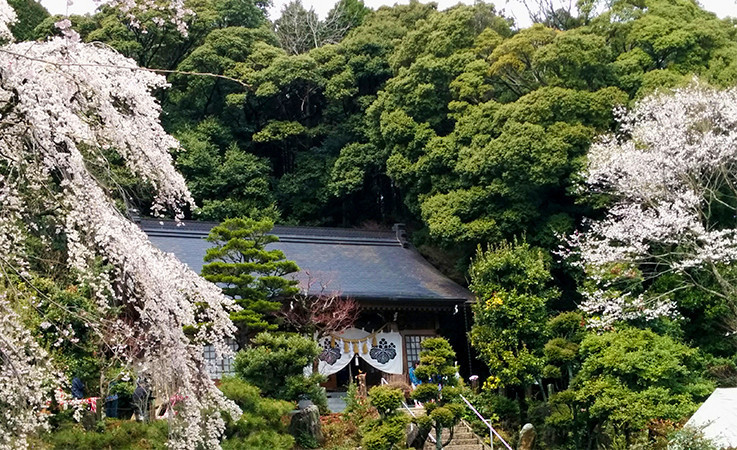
point(249, 273)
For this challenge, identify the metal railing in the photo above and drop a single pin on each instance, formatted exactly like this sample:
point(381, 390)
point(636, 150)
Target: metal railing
point(492, 431)
point(432, 438)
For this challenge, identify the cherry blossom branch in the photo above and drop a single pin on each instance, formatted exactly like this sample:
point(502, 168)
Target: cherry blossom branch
point(131, 68)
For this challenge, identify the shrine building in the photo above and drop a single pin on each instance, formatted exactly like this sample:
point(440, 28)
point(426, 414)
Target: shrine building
point(403, 299)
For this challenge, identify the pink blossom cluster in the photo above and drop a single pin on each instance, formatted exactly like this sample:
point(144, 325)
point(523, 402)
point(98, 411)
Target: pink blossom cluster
point(670, 167)
point(62, 104)
point(26, 379)
point(7, 17)
point(169, 11)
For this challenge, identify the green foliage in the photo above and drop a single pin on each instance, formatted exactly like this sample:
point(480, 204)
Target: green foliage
point(274, 363)
point(249, 273)
point(566, 331)
point(386, 400)
point(223, 178)
point(385, 434)
point(261, 425)
point(355, 403)
point(700, 311)
point(513, 285)
point(348, 14)
point(124, 435)
point(628, 378)
point(499, 409)
point(162, 45)
point(388, 431)
point(29, 13)
point(511, 266)
point(193, 99)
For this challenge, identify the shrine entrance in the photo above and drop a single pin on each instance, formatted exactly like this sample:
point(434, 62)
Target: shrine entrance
point(340, 380)
point(353, 351)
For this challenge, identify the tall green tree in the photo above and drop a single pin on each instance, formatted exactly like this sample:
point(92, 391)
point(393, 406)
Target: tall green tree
point(512, 283)
point(248, 272)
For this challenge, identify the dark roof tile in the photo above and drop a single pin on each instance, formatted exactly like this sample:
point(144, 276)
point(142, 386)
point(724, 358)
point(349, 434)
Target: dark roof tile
point(363, 264)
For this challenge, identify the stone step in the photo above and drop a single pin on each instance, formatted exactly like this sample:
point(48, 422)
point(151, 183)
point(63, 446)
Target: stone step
point(452, 446)
point(463, 439)
point(464, 447)
point(459, 434)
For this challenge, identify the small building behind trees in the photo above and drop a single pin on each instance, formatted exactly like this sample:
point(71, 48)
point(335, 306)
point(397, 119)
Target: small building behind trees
point(402, 298)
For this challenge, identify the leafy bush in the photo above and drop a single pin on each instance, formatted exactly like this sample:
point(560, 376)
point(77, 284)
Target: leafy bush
point(274, 364)
point(690, 438)
point(340, 432)
point(385, 399)
point(498, 408)
point(629, 377)
point(261, 425)
point(126, 435)
point(386, 433)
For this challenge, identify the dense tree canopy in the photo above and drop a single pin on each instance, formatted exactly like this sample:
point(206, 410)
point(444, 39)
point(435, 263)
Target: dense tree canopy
point(486, 139)
point(627, 379)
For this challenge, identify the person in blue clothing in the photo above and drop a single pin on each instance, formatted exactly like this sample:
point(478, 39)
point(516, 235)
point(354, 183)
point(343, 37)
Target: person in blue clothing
point(414, 380)
point(77, 388)
point(412, 376)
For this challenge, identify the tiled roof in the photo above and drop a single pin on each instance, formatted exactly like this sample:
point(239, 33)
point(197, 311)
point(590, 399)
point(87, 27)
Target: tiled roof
point(367, 265)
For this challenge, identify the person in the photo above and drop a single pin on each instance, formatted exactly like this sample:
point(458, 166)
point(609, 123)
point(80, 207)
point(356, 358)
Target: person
point(141, 398)
point(77, 388)
point(413, 377)
point(414, 380)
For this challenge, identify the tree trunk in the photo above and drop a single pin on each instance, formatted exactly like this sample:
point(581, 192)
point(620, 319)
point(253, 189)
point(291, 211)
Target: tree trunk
point(438, 438)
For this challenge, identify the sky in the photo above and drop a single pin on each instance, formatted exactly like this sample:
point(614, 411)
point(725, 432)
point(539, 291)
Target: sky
point(513, 8)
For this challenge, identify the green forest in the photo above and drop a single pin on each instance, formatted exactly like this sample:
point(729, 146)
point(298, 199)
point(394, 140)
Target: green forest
point(478, 135)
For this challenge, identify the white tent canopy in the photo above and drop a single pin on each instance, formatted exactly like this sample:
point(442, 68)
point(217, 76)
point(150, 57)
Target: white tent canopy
point(717, 418)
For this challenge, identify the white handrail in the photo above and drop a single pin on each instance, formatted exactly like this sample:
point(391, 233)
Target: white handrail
point(383, 381)
point(488, 424)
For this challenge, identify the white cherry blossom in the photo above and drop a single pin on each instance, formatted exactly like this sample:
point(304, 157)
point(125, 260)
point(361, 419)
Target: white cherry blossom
point(61, 103)
point(672, 171)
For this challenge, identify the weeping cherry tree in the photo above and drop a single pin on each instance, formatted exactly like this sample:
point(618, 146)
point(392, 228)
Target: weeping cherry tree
point(63, 104)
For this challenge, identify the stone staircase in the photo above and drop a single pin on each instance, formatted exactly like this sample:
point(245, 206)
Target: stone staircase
point(463, 439)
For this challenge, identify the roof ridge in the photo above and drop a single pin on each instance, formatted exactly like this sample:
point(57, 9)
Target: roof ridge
point(171, 227)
